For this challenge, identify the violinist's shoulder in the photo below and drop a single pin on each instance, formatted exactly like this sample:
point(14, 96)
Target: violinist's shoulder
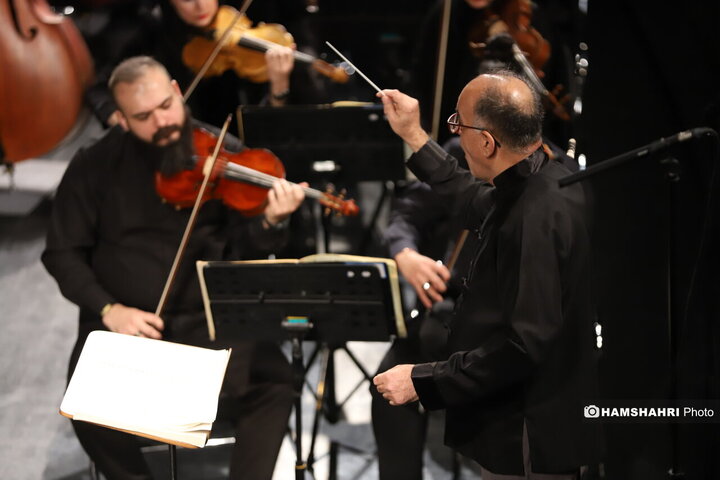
point(101, 152)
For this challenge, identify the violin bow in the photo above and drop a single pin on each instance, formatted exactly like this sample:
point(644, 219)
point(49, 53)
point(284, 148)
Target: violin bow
point(216, 50)
point(208, 169)
point(440, 70)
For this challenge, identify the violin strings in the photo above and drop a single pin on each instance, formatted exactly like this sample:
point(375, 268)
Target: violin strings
point(263, 45)
point(262, 179)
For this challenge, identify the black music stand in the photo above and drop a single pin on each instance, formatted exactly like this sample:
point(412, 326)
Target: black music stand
point(330, 302)
point(324, 144)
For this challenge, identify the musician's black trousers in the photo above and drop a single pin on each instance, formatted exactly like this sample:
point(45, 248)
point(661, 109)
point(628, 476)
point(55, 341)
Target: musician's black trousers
point(399, 431)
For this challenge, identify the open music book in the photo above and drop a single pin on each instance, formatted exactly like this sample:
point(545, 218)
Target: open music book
point(386, 267)
point(152, 388)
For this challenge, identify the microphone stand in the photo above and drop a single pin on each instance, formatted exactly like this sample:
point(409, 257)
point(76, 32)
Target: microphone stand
point(672, 175)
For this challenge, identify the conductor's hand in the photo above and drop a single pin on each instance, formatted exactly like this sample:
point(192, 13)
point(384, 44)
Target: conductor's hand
point(403, 113)
point(396, 385)
point(283, 199)
point(132, 321)
point(426, 276)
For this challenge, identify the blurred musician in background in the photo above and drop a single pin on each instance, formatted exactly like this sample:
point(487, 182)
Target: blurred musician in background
point(165, 32)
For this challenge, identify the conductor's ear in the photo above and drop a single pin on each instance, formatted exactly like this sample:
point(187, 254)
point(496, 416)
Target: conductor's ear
point(489, 144)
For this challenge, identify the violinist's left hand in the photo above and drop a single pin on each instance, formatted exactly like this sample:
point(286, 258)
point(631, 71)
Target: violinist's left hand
point(280, 62)
point(283, 199)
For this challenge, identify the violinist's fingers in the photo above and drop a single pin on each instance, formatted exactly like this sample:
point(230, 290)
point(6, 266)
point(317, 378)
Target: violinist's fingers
point(148, 330)
point(153, 321)
point(298, 195)
point(133, 321)
point(283, 199)
point(279, 60)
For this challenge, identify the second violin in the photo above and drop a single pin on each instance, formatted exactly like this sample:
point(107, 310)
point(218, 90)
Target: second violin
point(244, 46)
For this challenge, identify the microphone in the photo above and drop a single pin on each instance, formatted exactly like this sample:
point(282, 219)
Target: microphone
point(643, 151)
point(672, 140)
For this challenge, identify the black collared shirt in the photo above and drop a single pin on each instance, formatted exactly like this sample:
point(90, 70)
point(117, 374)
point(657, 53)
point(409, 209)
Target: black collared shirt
point(522, 333)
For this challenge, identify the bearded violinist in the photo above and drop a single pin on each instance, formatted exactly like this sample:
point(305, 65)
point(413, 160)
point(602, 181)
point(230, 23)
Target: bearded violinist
point(112, 241)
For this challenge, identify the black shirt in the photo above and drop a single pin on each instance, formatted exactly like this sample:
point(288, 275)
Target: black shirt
point(112, 238)
point(522, 336)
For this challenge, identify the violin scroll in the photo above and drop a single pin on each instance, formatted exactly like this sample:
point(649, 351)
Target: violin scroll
point(338, 203)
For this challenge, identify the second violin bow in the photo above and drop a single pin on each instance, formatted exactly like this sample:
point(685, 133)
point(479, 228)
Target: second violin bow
point(218, 46)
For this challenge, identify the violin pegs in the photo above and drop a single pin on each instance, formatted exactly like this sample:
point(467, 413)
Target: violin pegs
point(557, 90)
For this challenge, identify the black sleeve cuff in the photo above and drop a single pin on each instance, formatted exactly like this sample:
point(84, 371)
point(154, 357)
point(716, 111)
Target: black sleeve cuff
point(422, 378)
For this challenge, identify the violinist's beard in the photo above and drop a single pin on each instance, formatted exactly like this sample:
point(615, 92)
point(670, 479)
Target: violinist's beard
point(175, 156)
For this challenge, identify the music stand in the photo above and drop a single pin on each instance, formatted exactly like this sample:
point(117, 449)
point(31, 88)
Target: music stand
point(326, 143)
point(327, 302)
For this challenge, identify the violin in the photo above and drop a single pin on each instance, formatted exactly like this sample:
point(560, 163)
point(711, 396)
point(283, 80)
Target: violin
point(529, 49)
point(243, 49)
point(240, 180)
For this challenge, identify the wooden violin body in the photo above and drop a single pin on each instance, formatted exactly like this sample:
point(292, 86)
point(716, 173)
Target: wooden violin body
point(46, 67)
point(514, 18)
point(530, 50)
point(182, 188)
point(240, 180)
point(244, 48)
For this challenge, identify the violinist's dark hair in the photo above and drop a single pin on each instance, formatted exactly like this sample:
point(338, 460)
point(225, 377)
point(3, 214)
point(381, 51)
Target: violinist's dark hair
point(517, 125)
point(129, 70)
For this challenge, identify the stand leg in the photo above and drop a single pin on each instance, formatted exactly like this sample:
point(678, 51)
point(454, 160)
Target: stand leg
point(331, 409)
point(327, 405)
point(173, 461)
point(672, 175)
point(332, 471)
point(298, 369)
point(357, 363)
point(319, 402)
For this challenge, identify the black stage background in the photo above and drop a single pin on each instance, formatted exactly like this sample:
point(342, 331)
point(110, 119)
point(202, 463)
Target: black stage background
point(651, 75)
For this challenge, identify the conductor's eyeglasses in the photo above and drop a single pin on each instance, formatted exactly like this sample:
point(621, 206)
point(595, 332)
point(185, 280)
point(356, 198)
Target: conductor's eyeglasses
point(454, 126)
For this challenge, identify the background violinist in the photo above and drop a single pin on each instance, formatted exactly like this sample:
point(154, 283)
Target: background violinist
point(165, 33)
